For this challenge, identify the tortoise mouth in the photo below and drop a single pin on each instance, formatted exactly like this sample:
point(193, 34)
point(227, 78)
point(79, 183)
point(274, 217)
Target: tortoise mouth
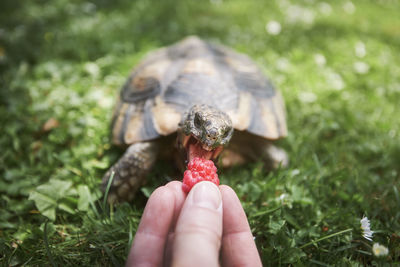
point(194, 148)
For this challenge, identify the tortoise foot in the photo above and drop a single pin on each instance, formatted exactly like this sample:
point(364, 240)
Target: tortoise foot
point(277, 157)
point(129, 173)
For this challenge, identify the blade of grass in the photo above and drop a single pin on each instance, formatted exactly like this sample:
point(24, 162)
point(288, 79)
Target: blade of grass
point(264, 212)
point(94, 208)
point(113, 259)
point(326, 237)
point(319, 263)
point(108, 189)
point(364, 252)
point(46, 244)
point(396, 193)
point(26, 263)
point(130, 240)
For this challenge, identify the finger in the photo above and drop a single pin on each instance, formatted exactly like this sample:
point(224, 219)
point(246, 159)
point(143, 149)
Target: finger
point(149, 243)
point(198, 230)
point(238, 247)
point(180, 196)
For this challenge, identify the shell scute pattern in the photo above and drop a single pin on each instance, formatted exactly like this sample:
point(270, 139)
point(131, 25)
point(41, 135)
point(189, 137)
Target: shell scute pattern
point(172, 79)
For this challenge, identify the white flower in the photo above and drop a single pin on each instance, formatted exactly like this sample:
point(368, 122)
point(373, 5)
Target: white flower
point(325, 8)
point(349, 7)
point(360, 49)
point(216, 2)
point(319, 59)
point(92, 68)
point(361, 67)
point(295, 172)
point(335, 80)
point(307, 97)
point(379, 250)
point(299, 14)
point(273, 27)
point(282, 64)
point(282, 196)
point(365, 226)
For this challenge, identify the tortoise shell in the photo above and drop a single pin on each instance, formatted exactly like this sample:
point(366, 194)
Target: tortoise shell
point(172, 79)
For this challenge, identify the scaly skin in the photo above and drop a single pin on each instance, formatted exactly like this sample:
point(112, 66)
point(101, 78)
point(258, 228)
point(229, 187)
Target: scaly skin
point(130, 171)
point(207, 124)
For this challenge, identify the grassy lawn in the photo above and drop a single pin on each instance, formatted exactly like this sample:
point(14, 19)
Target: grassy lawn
point(336, 63)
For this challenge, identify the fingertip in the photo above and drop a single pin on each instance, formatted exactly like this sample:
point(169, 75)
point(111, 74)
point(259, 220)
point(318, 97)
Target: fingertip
point(235, 218)
point(227, 190)
point(160, 200)
point(199, 228)
point(162, 192)
point(238, 247)
point(174, 184)
point(150, 238)
point(176, 188)
point(206, 194)
point(231, 200)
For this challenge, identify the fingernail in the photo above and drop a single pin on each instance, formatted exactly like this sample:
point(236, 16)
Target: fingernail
point(207, 195)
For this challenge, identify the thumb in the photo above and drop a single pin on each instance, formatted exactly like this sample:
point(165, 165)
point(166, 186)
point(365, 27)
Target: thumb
point(198, 230)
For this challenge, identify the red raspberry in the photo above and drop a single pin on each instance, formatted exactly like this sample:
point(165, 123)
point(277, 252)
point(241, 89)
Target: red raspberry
point(199, 169)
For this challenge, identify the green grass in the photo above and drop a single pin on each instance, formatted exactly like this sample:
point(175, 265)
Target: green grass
point(67, 59)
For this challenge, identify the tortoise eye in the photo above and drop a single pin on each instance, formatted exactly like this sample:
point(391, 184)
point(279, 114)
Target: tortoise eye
point(197, 120)
point(226, 133)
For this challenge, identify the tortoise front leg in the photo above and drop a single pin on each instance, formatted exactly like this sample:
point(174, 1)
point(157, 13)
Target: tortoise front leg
point(274, 156)
point(130, 171)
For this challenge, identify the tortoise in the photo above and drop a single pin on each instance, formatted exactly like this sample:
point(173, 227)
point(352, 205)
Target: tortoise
point(194, 99)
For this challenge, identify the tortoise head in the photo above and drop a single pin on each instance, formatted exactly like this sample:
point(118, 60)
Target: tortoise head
point(204, 130)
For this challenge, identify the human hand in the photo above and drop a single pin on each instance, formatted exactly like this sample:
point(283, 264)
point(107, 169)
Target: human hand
point(205, 228)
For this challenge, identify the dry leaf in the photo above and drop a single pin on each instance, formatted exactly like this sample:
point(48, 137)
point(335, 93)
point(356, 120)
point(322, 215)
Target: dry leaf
point(50, 124)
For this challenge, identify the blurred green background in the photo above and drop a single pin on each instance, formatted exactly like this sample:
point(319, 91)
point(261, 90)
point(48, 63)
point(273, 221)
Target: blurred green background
point(335, 62)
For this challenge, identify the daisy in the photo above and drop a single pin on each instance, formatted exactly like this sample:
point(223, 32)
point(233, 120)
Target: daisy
point(365, 226)
point(379, 250)
point(273, 27)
